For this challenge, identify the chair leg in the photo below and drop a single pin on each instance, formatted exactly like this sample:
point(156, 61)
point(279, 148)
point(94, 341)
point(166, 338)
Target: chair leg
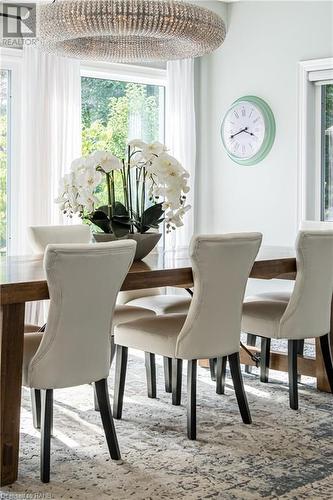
point(36, 407)
point(192, 399)
point(212, 367)
point(292, 373)
point(221, 365)
point(250, 341)
point(151, 374)
point(177, 371)
point(119, 383)
point(102, 395)
point(113, 350)
point(300, 351)
point(236, 374)
point(96, 405)
point(327, 357)
point(264, 359)
point(167, 363)
point(46, 429)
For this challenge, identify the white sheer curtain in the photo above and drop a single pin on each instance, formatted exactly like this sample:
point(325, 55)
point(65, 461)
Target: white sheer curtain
point(51, 139)
point(181, 136)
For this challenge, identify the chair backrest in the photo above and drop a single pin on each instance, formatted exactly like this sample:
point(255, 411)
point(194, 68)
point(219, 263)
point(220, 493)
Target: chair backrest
point(316, 225)
point(83, 282)
point(41, 236)
point(221, 266)
point(309, 309)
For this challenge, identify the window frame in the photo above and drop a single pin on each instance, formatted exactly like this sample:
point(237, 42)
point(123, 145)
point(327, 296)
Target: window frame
point(133, 74)
point(128, 73)
point(310, 75)
point(11, 60)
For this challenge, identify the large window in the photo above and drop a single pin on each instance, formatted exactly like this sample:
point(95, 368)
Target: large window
point(327, 151)
point(315, 145)
point(4, 156)
point(115, 111)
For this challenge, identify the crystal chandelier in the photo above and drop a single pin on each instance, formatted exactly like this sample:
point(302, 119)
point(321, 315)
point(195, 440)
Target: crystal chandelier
point(128, 30)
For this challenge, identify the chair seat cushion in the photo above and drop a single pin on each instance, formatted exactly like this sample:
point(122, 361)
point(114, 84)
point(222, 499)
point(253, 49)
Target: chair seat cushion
point(281, 295)
point(125, 313)
point(157, 335)
point(31, 344)
point(262, 316)
point(163, 304)
point(31, 328)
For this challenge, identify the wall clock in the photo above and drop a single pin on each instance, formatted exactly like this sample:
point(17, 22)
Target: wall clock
point(248, 130)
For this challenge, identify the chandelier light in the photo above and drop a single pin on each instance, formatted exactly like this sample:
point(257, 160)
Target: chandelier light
point(128, 30)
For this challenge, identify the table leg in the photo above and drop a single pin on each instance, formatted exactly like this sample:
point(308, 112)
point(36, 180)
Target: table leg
point(11, 355)
point(322, 382)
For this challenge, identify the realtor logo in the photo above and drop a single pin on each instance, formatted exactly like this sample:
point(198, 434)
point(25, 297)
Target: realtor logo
point(18, 20)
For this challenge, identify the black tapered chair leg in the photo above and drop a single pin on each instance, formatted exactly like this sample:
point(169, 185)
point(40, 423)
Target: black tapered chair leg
point(221, 366)
point(35, 407)
point(192, 399)
point(250, 341)
point(150, 374)
point(236, 375)
point(167, 364)
point(327, 357)
point(46, 430)
point(177, 372)
point(212, 367)
point(300, 351)
point(102, 396)
point(113, 350)
point(119, 383)
point(96, 406)
point(292, 373)
point(264, 359)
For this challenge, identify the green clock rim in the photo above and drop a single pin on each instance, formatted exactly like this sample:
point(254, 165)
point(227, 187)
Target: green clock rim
point(270, 127)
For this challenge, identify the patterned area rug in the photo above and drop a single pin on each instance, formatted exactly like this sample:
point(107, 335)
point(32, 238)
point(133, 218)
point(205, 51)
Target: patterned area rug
point(283, 454)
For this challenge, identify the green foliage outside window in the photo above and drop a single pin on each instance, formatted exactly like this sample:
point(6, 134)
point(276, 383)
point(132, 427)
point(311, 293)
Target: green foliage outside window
point(115, 112)
point(327, 109)
point(3, 159)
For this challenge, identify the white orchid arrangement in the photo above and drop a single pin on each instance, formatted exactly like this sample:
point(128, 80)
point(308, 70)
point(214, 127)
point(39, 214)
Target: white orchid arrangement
point(154, 189)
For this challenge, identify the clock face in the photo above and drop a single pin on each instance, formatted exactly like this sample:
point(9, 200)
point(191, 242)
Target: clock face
point(243, 130)
point(248, 130)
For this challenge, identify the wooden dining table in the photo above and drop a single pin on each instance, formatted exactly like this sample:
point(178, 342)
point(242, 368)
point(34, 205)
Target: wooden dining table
point(23, 280)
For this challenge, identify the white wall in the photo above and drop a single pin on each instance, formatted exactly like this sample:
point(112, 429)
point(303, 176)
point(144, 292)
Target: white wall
point(264, 43)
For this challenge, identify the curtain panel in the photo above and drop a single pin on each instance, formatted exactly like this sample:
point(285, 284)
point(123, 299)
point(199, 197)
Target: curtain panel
point(51, 139)
point(181, 136)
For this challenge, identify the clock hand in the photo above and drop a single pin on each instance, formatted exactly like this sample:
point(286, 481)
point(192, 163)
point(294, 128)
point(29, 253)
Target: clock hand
point(243, 130)
point(250, 133)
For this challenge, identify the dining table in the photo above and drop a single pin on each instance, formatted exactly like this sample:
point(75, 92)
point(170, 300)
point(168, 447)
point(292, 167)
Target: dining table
point(22, 280)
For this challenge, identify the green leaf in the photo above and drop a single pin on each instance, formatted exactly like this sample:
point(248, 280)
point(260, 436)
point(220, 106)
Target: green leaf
point(120, 210)
point(101, 220)
point(152, 215)
point(119, 228)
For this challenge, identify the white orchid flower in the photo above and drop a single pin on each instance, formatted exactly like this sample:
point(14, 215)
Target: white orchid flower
point(78, 164)
point(137, 144)
point(87, 200)
point(106, 161)
point(89, 178)
point(149, 151)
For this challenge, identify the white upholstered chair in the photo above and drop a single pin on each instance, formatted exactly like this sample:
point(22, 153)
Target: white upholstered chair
point(161, 302)
point(307, 314)
point(280, 294)
point(40, 237)
point(75, 349)
point(221, 266)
